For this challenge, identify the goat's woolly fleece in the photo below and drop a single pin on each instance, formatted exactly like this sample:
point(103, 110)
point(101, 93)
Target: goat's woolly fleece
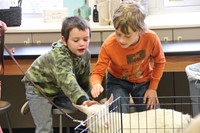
point(151, 121)
point(194, 126)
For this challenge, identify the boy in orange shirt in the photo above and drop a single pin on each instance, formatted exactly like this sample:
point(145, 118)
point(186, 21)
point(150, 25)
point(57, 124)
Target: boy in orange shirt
point(126, 56)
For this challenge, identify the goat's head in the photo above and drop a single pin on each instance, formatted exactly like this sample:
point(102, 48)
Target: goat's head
point(97, 114)
point(95, 108)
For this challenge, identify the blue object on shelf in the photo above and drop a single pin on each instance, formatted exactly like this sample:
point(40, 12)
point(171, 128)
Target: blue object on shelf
point(72, 5)
point(84, 12)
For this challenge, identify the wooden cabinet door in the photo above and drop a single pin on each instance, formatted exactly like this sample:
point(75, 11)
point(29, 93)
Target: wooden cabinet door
point(95, 36)
point(18, 38)
point(105, 34)
point(165, 35)
point(45, 38)
point(186, 34)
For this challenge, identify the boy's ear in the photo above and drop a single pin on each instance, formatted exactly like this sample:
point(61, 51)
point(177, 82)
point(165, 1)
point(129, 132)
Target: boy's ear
point(63, 40)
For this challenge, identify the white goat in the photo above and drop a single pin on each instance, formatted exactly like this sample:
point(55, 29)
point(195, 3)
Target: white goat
point(194, 126)
point(99, 120)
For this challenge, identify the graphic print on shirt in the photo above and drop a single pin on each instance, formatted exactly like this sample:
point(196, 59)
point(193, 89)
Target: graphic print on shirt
point(134, 62)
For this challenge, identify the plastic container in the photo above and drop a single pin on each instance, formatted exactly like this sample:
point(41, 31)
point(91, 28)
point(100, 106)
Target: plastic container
point(193, 74)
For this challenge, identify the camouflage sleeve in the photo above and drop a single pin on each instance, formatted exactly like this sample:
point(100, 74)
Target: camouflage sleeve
point(83, 72)
point(66, 79)
point(85, 82)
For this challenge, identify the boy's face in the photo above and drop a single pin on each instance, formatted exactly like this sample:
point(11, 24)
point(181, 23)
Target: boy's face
point(126, 40)
point(78, 41)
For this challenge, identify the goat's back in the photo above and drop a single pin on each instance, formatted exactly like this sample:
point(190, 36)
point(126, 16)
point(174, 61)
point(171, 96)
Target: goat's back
point(155, 121)
point(194, 126)
point(151, 121)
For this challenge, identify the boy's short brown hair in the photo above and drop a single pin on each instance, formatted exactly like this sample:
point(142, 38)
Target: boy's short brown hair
point(70, 23)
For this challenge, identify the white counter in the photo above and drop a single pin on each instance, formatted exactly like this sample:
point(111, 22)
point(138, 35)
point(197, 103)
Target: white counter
point(164, 21)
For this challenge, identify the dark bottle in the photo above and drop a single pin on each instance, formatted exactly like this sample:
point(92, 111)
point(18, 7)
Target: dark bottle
point(95, 14)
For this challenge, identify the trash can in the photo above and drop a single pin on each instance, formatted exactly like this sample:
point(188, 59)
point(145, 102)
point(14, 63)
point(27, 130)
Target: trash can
point(193, 74)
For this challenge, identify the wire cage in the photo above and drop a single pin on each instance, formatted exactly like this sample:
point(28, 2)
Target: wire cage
point(173, 115)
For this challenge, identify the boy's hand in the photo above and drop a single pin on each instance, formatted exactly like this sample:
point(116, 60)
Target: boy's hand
point(97, 89)
point(151, 95)
point(3, 25)
point(89, 103)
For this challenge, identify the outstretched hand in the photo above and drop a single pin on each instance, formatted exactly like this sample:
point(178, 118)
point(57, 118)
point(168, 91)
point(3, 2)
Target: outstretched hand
point(3, 25)
point(151, 95)
point(97, 89)
point(89, 103)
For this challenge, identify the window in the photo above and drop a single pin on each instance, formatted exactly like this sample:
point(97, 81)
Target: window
point(34, 8)
point(173, 6)
point(168, 3)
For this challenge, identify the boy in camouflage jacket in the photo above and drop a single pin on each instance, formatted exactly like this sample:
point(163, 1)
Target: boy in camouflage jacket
point(61, 73)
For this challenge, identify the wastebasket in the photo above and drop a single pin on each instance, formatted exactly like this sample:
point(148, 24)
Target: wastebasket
point(193, 74)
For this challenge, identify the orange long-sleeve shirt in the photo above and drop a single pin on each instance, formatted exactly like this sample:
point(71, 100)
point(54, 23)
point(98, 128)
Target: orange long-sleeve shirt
point(132, 63)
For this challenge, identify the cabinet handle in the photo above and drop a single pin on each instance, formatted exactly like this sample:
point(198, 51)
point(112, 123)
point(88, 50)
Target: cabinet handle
point(179, 38)
point(27, 42)
point(38, 42)
point(166, 39)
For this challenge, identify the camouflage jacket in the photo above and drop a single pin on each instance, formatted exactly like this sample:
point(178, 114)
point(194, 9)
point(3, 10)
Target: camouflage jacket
point(61, 70)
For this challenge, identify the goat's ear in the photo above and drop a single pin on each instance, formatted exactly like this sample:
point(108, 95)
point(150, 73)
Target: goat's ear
point(82, 108)
point(109, 100)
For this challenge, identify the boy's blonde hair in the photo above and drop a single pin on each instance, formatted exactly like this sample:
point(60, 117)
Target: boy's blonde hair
point(129, 14)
